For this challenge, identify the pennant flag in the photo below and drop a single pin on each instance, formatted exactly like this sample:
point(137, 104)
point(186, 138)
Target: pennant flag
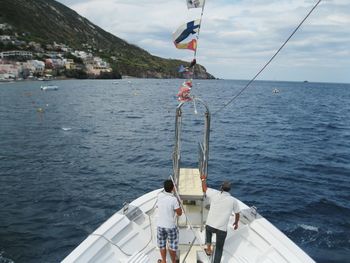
point(192, 45)
point(185, 30)
point(194, 3)
point(182, 69)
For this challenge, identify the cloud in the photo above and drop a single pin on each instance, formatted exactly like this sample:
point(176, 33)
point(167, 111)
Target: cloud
point(237, 37)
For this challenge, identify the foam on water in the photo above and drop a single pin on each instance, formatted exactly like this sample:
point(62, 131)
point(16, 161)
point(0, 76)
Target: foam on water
point(308, 227)
point(4, 259)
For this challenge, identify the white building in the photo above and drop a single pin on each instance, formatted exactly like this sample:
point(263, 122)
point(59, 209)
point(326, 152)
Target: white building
point(82, 54)
point(36, 66)
point(16, 54)
point(5, 38)
point(97, 65)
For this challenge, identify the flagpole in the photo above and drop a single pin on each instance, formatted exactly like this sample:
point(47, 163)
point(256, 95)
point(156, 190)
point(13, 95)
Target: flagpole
point(199, 29)
point(186, 86)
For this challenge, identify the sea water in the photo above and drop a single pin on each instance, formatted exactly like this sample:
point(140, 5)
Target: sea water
point(70, 158)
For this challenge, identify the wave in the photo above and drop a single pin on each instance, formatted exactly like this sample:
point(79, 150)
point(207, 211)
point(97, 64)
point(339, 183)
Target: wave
point(308, 227)
point(327, 206)
point(4, 259)
point(336, 212)
point(318, 237)
point(134, 117)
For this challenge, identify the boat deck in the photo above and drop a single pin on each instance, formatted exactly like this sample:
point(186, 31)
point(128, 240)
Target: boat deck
point(190, 184)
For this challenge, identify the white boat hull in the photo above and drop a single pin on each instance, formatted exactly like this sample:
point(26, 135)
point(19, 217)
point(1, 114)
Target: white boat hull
point(120, 239)
point(48, 88)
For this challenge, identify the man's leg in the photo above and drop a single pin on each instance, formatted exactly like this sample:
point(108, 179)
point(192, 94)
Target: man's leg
point(163, 255)
point(220, 241)
point(161, 240)
point(208, 237)
point(173, 235)
point(172, 255)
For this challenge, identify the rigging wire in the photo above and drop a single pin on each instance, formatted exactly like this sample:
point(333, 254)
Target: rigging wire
point(268, 62)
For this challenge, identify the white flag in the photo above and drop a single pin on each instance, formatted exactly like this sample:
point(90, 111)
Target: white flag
point(185, 30)
point(195, 3)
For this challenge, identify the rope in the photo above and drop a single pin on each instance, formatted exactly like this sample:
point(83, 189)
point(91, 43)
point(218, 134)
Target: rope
point(272, 58)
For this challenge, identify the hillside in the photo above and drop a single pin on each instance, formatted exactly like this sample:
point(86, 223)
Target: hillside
point(47, 21)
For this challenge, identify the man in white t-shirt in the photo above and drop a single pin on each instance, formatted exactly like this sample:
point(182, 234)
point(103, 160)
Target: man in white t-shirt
point(221, 207)
point(168, 206)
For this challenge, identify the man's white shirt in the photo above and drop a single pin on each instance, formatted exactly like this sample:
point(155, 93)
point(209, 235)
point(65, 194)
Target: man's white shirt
point(221, 207)
point(167, 204)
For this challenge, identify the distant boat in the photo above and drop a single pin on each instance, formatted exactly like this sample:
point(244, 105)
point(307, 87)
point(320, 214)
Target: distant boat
point(49, 87)
point(46, 78)
point(305, 81)
point(6, 80)
point(275, 91)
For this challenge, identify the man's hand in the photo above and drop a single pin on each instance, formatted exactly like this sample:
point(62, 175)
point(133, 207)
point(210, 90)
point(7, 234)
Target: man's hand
point(235, 225)
point(178, 211)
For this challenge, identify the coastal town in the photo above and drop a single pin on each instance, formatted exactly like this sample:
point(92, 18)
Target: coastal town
point(21, 59)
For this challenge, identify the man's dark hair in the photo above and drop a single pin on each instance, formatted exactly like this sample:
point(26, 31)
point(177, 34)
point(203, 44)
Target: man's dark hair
point(226, 186)
point(168, 185)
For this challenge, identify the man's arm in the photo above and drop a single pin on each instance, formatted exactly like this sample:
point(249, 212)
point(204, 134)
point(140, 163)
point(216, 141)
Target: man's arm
point(178, 211)
point(235, 224)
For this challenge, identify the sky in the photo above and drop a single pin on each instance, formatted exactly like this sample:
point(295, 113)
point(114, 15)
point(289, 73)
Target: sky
point(237, 37)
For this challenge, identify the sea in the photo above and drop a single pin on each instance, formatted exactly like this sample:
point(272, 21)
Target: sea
point(70, 158)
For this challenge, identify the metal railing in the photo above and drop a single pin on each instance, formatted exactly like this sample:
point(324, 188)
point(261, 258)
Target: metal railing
point(203, 148)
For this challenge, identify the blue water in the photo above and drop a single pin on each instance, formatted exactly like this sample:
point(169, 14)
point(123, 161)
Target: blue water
point(70, 158)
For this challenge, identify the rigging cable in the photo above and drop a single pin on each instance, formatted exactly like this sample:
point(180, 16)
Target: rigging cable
point(272, 58)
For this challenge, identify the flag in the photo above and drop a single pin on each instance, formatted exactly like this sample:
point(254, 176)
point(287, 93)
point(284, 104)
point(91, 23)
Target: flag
point(185, 30)
point(194, 3)
point(182, 69)
point(192, 45)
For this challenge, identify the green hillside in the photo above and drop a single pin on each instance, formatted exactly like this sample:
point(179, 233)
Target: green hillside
point(47, 21)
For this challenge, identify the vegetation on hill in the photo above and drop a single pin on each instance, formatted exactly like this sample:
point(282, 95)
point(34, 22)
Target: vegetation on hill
point(48, 21)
